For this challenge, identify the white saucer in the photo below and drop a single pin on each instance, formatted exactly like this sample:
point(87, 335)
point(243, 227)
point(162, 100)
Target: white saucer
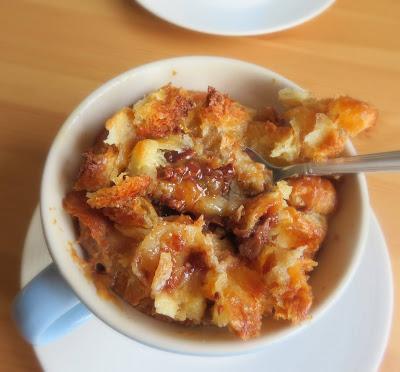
point(236, 17)
point(350, 337)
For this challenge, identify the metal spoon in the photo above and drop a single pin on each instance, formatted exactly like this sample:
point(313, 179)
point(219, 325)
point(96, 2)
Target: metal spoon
point(380, 162)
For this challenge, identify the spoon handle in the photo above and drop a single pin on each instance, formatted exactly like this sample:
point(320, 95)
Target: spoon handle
point(380, 162)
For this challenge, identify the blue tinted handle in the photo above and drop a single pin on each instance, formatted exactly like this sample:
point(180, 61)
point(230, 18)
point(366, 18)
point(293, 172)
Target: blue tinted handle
point(47, 308)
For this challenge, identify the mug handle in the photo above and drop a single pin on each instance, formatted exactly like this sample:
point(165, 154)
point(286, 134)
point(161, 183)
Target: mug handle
point(47, 308)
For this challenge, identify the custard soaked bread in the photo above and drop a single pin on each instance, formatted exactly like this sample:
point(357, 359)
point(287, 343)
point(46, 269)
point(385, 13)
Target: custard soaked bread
point(177, 220)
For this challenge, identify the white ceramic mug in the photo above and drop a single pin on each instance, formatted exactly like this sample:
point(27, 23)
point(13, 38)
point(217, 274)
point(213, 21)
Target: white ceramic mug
point(48, 307)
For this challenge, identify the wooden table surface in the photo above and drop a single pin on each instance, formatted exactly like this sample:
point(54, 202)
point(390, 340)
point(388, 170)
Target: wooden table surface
point(54, 53)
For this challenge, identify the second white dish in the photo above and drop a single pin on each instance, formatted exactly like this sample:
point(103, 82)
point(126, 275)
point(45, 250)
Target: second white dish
point(236, 17)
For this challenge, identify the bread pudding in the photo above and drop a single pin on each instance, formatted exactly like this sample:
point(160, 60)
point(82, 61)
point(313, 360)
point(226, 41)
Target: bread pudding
point(176, 219)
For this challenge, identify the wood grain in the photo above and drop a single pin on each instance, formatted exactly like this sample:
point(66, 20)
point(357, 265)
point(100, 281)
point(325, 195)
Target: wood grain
point(53, 53)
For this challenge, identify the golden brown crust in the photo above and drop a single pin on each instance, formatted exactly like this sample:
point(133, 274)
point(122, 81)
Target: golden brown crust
point(322, 126)
point(136, 212)
point(98, 166)
point(263, 205)
point(166, 115)
point(352, 115)
point(315, 194)
point(285, 272)
point(241, 303)
point(76, 205)
point(119, 195)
